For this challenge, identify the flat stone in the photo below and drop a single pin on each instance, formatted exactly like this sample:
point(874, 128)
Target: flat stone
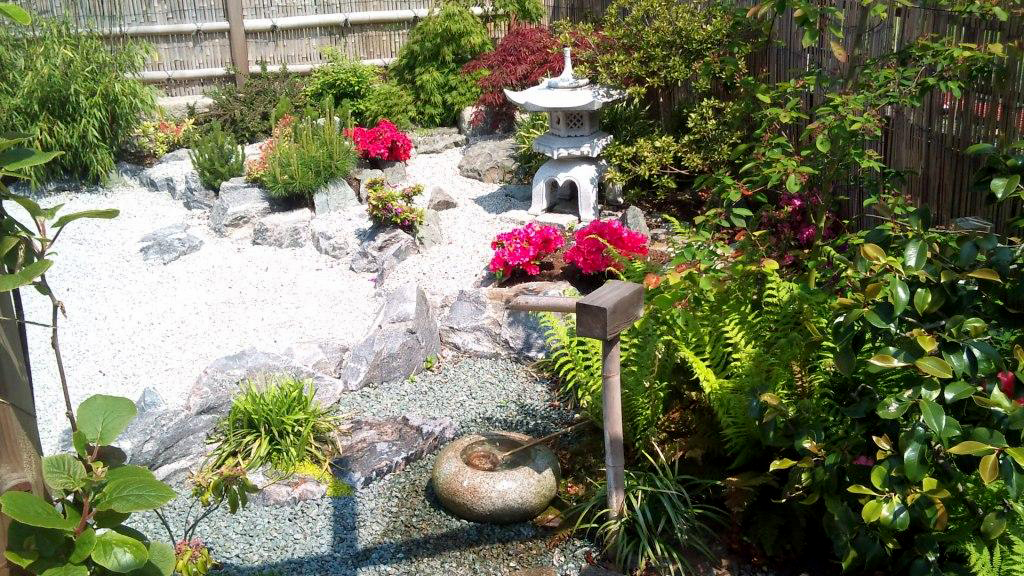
point(239, 204)
point(489, 160)
point(324, 356)
point(381, 250)
point(437, 140)
point(219, 382)
point(168, 244)
point(283, 229)
point(430, 232)
point(441, 200)
point(174, 175)
point(403, 335)
point(373, 449)
point(633, 218)
point(337, 195)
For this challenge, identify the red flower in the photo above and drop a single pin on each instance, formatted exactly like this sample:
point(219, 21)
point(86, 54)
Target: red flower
point(1006, 382)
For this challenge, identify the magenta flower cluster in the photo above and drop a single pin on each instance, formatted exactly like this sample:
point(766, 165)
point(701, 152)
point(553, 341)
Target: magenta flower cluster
point(383, 142)
point(605, 244)
point(523, 248)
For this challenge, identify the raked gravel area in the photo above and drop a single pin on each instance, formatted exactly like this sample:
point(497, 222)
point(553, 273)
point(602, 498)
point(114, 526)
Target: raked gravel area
point(395, 525)
point(133, 324)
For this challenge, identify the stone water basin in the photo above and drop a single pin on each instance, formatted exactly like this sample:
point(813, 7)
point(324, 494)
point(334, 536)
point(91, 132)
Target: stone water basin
point(473, 483)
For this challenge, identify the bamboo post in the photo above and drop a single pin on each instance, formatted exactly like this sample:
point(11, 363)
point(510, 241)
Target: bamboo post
point(603, 315)
point(236, 38)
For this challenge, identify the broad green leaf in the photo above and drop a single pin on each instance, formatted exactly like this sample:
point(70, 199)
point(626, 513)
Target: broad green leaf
point(872, 252)
point(956, 391)
point(934, 366)
point(101, 214)
point(102, 418)
point(134, 495)
point(119, 553)
point(63, 472)
point(15, 13)
point(32, 510)
point(886, 361)
point(66, 570)
point(26, 275)
point(989, 468)
point(84, 544)
point(985, 274)
point(922, 299)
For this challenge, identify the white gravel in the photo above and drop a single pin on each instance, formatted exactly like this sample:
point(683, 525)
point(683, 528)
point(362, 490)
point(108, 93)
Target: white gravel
point(133, 324)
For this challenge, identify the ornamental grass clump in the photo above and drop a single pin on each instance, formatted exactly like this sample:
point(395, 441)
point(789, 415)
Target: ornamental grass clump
point(384, 142)
point(605, 245)
point(523, 249)
point(389, 206)
point(275, 422)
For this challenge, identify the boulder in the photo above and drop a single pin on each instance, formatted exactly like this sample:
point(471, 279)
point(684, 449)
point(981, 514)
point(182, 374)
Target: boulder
point(336, 195)
point(441, 200)
point(403, 335)
point(169, 243)
point(174, 175)
point(375, 448)
point(381, 250)
point(324, 356)
point(429, 233)
point(489, 161)
point(239, 204)
point(218, 383)
point(283, 229)
point(437, 140)
point(633, 218)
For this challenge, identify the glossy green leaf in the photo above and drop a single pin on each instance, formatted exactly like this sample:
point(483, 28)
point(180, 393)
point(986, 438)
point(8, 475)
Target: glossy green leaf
point(102, 418)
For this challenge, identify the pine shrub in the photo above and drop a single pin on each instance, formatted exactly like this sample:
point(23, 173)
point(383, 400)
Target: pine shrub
point(73, 93)
point(430, 63)
point(217, 157)
point(317, 152)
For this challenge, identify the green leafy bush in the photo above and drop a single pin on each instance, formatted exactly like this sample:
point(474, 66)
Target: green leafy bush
point(316, 153)
point(275, 422)
point(217, 158)
point(249, 113)
point(429, 64)
point(72, 93)
point(96, 495)
point(663, 520)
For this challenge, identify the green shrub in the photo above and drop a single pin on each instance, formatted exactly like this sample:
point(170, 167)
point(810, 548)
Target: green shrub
point(317, 152)
point(72, 93)
point(662, 521)
point(248, 113)
point(275, 422)
point(429, 64)
point(217, 158)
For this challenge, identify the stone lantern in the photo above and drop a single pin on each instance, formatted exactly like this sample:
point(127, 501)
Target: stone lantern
point(573, 141)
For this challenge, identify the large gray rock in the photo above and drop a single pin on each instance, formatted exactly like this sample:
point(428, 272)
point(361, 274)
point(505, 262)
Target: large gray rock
point(239, 204)
point(174, 175)
point(381, 250)
point(489, 161)
point(336, 195)
point(437, 140)
point(325, 356)
point(373, 449)
point(633, 218)
point(441, 200)
point(219, 382)
point(283, 229)
point(403, 335)
point(169, 243)
point(430, 232)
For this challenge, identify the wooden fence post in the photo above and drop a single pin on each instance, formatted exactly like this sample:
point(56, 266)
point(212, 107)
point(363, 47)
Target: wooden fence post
point(236, 38)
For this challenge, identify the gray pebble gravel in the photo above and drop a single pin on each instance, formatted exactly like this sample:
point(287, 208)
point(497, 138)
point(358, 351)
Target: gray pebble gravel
point(395, 526)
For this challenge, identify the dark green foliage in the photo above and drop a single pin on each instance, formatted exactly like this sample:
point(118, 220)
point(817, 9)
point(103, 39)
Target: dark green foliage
point(217, 158)
point(316, 153)
point(664, 519)
point(430, 63)
point(247, 113)
point(73, 94)
point(275, 422)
